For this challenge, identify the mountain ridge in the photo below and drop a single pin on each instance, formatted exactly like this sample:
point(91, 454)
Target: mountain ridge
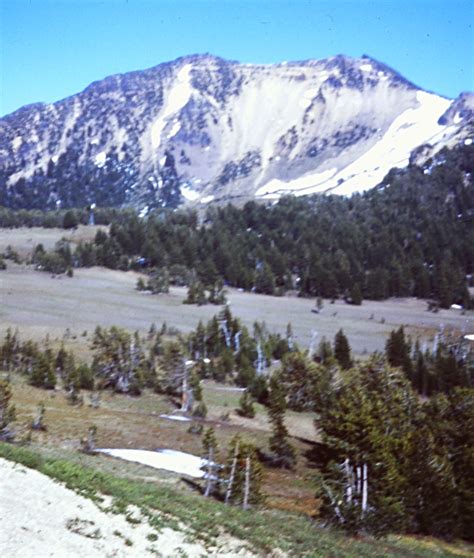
point(201, 128)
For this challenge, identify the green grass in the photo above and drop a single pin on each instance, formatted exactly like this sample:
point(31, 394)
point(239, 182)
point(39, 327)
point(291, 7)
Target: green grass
point(263, 530)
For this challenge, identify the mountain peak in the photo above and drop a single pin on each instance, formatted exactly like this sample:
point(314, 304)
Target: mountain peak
point(203, 128)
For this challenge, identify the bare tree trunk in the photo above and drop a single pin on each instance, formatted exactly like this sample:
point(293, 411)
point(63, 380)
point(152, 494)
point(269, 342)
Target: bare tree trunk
point(209, 483)
point(230, 483)
point(185, 392)
point(245, 503)
point(358, 481)
point(350, 481)
point(365, 487)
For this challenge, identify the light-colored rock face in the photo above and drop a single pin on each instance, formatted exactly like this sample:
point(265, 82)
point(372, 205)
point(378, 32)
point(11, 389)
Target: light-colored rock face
point(233, 130)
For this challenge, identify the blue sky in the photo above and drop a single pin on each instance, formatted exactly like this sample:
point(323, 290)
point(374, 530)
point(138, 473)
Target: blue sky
point(50, 49)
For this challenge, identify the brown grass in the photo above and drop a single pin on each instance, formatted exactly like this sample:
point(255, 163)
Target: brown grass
point(133, 422)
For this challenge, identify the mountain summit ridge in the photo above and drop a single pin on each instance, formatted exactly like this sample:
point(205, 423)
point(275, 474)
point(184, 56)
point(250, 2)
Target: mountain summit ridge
point(201, 128)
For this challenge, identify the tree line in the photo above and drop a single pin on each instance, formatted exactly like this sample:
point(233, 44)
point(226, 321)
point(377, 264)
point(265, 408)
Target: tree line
point(410, 236)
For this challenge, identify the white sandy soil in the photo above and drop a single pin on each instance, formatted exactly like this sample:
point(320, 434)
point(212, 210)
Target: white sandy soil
point(40, 517)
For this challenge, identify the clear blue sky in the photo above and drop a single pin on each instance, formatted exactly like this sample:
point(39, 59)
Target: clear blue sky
point(50, 49)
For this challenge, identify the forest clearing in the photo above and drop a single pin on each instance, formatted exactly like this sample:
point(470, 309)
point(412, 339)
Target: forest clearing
point(39, 304)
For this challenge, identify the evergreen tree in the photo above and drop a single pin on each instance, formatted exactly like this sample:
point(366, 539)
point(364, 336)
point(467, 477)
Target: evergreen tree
point(265, 280)
point(7, 410)
point(42, 374)
point(356, 294)
point(297, 374)
point(342, 351)
point(284, 454)
point(397, 350)
point(246, 408)
point(324, 354)
point(70, 220)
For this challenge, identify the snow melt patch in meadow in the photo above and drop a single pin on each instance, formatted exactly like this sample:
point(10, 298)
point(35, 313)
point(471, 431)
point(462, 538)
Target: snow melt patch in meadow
point(169, 460)
point(179, 418)
point(177, 98)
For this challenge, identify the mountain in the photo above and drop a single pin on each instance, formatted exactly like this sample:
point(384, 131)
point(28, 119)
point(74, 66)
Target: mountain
point(203, 129)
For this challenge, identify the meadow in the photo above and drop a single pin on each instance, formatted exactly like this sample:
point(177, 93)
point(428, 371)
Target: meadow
point(68, 309)
point(38, 303)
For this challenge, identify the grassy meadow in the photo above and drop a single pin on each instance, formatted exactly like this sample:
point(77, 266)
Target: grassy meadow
point(38, 303)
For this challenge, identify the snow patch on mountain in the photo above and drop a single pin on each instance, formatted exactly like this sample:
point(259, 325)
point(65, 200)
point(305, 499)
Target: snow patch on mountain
point(189, 194)
point(304, 185)
point(231, 131)
point(100, 158)
point(207, 199)
point(410, 129)
point(16, 143)
point(176, 98)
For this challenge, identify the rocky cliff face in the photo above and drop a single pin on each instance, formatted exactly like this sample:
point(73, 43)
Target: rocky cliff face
point(202, 128)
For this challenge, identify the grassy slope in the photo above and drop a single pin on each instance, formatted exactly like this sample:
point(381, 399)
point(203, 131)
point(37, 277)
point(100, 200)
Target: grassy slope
point(263, 530)
point(134, 422)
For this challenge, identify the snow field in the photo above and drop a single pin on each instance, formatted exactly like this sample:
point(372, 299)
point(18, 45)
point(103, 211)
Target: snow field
point(410, 129)
point(177, 98)
point(170, 460)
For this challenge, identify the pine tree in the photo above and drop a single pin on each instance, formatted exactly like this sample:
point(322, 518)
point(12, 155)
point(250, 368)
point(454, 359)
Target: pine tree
point(342, 351)
point(246, 408)
point(377, 429)
point(9, 349)
point(42, 374)
point(356, 295)
point(297, 374)
point(324, 354)
point(7, 411)
point(265, 280)
point(284, 453)
point(398, 351)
